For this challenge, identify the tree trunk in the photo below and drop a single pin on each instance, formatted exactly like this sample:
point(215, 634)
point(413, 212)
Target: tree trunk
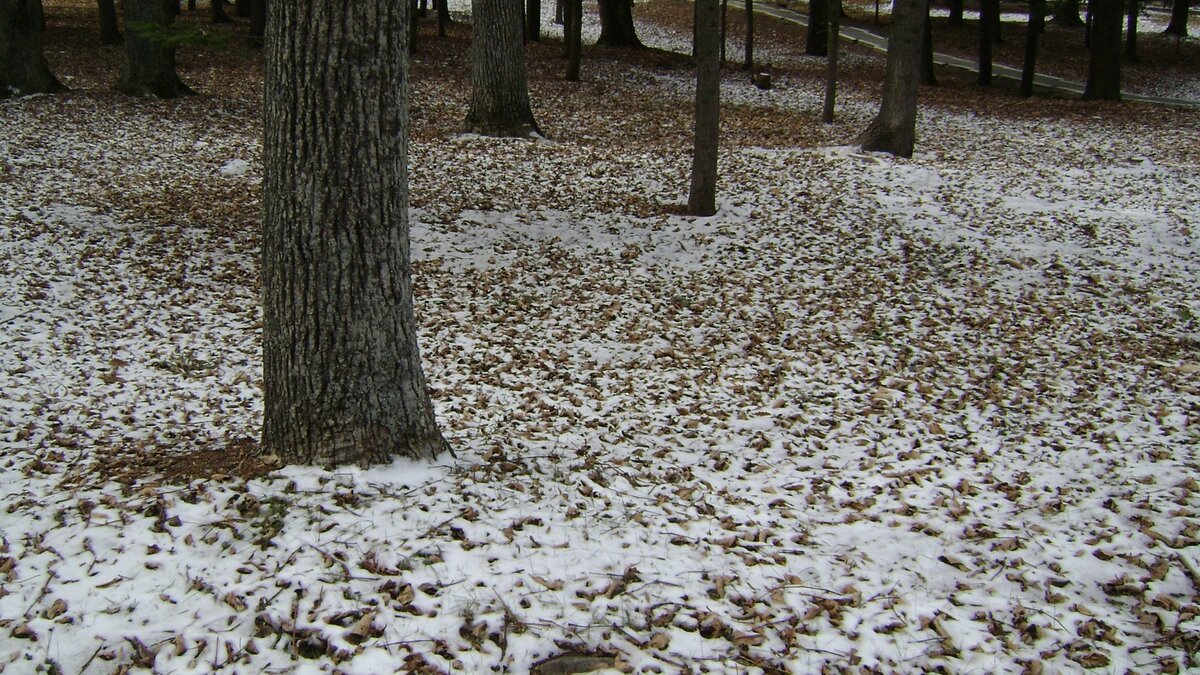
point(1037, 14)
point(1131, 30)
point(341, 371)
point(1067, 13)
point(1087, 25)
point(110, 31)
point(702, 201)
point(1179, 19)
point(560, 12)
point(894, 128)
point(23, 67)
point(956, 12)
point(616, 24)
point(749, 64)
point(985, 44)
point(499, 90)
point(443, 16)
point(258, 22)
point(413, 27)
point(817, 41)
point(831, 67)
point(218, 12)
point(242, 8)
point(573, 25)
point(724, 29)
point(149, 66)
point(927, 75)
point(1104, 69)
point(994, 10)
point(533, 20)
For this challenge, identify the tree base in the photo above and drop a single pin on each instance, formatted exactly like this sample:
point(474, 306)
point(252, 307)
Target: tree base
point(879, 138)
point(165, 88)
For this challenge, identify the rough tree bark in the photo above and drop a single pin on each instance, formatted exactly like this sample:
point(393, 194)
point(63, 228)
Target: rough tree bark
point(831, 66)
point(1179, 19)
point(894, 128)
point(616, 24)
point(817, 38)
point(499, 90)
point(1037, 19)
point(23, 67)
point(341, 370)
point(110, 31)
point(149, 66)
point(702, 200)
point(1104, 68)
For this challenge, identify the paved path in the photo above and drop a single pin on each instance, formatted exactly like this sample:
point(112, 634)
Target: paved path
point(1044, 82)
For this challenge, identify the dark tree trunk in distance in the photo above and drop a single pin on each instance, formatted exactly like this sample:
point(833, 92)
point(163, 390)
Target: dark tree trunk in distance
point(573, 25)
point(1104, 68)
point(749, 64)
point(242, 8)
point(831, 67)
point(258, 22)
point(1087, 24)
point(341, 371)
point(985, 44)
point(23, 67)
point(533, 20)
point(443, 16)
point(1179, 19)
point(149, 67)
point(894, 128)
point(616, 24)
point(817, 42)
point(1037, 18)
point(499, 89)
point(413, 27)
point(1067, 14)
point(218, 12)
point(702, 200)
point(110, 31)
point(1131, 11)
point(956, 12)
point(927, 75)
point(724, 29)
point(560, 10)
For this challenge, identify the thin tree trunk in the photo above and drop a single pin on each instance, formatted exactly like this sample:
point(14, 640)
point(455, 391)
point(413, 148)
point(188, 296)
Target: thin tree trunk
point(242, 8)
point(149, 66)
point(258, 22)
point(724, 29)
point(1037, 14)
point(749, 65)
point(23, 66)
point(985, 43)
point(817, 37)
point(1104, 68)
point(533, 20)
point(218, 12)
point(413, 27)
point(574, 37)
point(927, 75)
point(702, 200)
point(1067, 13)
point(443, 16)
point(831, 67)
point(894, 128)
point(616, 24)
point(956, 12)
point(1087, 25)
point(1179, 19)
point(1131, 11)
point(994, 10)
point(110, 31)
point(560, 12)
point(499, 90)
point(341, 370)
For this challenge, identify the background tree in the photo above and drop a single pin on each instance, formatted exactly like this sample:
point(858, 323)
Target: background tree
point(1104, 67)
point(149, 59)
point(816, 42)
point(894, 128)
point(110, 32)
point(533, 20)
point(218, 12)
point(341, 371)
point(986, 38)
point(1179, 19)
point(831, 66)
point(1066, 13)
point(1037, 21)
point(956, 13)
point(23, 67)
point(1131, 10)
point(927, 75)
point(258, 21)
point(749, 63)
point(499, 90)
point(616, 24)
point(702, 200)
point(573, 35)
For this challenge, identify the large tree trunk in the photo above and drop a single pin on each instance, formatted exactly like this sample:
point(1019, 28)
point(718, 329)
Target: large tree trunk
point(499, 90)
point(616, 24)
point(894, 128)
point(1179, 19)
point(341, 370)
point(23, 67)
point(702, 200)
point(1067, 13)
point(817, 40)
point(1104, 69)
point(149, 66)
point(110, 31)
point(1037, 17)
point(831, 67)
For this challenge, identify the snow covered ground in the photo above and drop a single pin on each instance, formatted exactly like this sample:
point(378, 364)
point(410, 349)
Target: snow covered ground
point(904, 415)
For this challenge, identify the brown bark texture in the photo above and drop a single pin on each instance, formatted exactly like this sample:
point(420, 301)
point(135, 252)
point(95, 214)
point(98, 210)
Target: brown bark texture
point(894, 128)
point(616, 24)
point(499, 103)
point(149, 67)
point(341, 370)
point(702, 200)
point(1104, 68)
point(23, 67)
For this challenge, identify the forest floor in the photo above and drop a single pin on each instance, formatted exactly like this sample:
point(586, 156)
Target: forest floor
point(877, 414)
